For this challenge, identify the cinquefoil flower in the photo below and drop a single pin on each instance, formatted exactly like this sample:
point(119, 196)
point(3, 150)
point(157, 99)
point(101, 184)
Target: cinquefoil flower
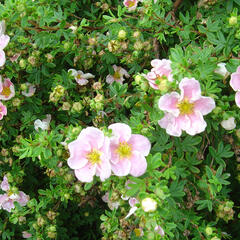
point(185, 111)
point(128, 151)
point(89, 155)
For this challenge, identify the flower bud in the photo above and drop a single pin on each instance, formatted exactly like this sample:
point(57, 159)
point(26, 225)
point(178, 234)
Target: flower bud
point(105, 7)
point(97, 86)
point(49, 57)
point(138, 45)
point(138, 79)
point(40, 221)
point(22, 63)
point(136, 34)
point(4, 152)
point(77, 107)
point(229, 124)
point(16, 102)
point(92, 41)
point(51, 215)
point(32, 60)
point(122, 34)
point(208, 231)
point(149, 205)
point(233, 20)
point(66, 106)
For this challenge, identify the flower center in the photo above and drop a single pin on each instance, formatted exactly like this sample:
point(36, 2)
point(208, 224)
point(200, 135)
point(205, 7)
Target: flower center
point(185, 107)
point(79, 76)
point(94, 157)
point(6, 91)
point(124, 150)
point(130, 3)
point(117, 75)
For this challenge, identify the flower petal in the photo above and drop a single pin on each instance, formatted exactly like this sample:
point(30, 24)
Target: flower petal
point(168, 103)
point(88, 75)
point(235, 81)
point(93, 136)
point(78, 150)
point(2, 58)
point(190, 88)
point(122, 168)
point(169, 123)
point(198, 124)
point(5, 185)
point(204, 105)
point(140, 143)
point(138, 164)
point(121, 132)
point(86, 173)
point(4, 40)
point(73, 72)
point(237, 98)
point(103, 169)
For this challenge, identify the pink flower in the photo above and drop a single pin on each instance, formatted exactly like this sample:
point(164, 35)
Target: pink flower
point(128, 151)
point(235, 84)
point(185, 111)
point(160, 74)
point(4, 39)
point(8, 90)
point(130, 4)
point(132, 202)
point(7, 199)
point(3, 110)
point(29, 91)
point(80, 77)
point(26, 234)
point(118, 75)
point(89, 155)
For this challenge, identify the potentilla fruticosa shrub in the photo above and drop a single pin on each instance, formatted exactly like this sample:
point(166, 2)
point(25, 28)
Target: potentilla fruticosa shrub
point(119, 119)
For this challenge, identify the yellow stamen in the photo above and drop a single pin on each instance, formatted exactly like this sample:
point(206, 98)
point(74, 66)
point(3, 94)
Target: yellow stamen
point(131, 3)
point(94, 157)
point(6, 91)
point(79, 76)
point(185, 107)
point(117, 75)
point(124, 150)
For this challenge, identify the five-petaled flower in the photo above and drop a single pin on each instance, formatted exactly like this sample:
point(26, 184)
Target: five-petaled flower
point(118, 75)
point(89, 155)
point(160, 74)
point(7, 199)
point(235, 84)
point(80, 77)
point(185, 111)
point(7, 90)
point(128, 151)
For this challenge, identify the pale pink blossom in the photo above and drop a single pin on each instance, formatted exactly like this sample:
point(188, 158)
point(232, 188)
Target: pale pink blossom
point(130, 4)
point(235, 84)
point(80, 77)
point(89, 155)
point(118, 75)
point(30, 90)
point(7, 89)
point(160, 74)
point(26, 234)
point(185, 111)
point(128, 151)
point(3, 110)
point(7, 199)
point(4, 40)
